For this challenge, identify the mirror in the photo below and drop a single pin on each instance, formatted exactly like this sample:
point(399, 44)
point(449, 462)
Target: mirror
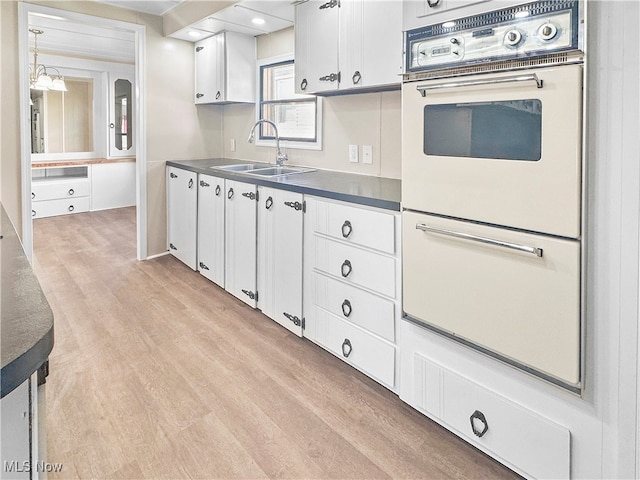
point(62, 122)
point(122, 121)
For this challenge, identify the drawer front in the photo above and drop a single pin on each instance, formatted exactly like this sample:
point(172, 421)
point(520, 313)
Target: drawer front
point(366, 352)
point(521, 437)
point(59, 189)
point(362, 308)
point(524, 308)
point(359, 267)
point(368, 228)
point(63, 206)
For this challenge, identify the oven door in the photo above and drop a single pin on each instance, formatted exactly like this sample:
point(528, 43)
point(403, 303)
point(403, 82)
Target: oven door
point(503, 148)
point(513, 295)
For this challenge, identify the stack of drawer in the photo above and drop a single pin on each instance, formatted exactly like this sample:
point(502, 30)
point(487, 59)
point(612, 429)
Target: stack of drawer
point(59, 197)
point(352, 304)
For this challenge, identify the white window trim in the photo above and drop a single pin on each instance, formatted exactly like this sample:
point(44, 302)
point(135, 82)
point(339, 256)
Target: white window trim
point(317, 145)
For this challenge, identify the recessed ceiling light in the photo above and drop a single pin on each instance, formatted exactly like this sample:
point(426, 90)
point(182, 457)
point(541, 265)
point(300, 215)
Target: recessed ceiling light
point(193, 33)
point(258, 21)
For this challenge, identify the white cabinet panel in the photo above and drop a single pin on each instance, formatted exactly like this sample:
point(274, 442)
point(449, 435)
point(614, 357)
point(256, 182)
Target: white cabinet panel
point(113, 185)
point(240, 241)
point(15, 413)
point(211, 227)
point(280, 215)
point(182, 204)
point(55, 189)
point(60, 206)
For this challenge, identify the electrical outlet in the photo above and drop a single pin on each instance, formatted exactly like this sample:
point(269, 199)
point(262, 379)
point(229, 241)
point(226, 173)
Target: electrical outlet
point(367, 154)
point(232, 145)
point(353, 153)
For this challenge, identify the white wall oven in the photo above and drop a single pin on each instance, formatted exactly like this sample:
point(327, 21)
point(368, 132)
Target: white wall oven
point(492, 184)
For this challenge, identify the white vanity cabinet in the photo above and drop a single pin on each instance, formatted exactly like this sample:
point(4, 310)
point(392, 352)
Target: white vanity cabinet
point(182, 204)
point(225, 69)
point(280, 221)
point(347, 45)
point(352, 284)
point(60, 191)
point(211, 228)
point(241, 241)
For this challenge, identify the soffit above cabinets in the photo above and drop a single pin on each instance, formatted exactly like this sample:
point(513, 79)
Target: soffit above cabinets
point(63, 36)
point(241, 17)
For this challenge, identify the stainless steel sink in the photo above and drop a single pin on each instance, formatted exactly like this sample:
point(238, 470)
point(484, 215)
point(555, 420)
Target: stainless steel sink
point(279, 171)
point(241, 167)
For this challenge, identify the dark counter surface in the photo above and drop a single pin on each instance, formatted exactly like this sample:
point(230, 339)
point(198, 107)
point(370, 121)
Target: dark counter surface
point(362, 189)
point(26, 320)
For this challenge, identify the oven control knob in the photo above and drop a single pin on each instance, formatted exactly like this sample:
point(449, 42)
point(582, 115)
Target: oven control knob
point(512, 38)
point(547, 31)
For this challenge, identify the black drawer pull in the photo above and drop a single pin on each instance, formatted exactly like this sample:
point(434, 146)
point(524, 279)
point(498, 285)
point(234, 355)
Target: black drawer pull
point(356, 77)
point(269, 203)
point(71, 191)
point(475, 418)
point(71, 208)
point(346, 348)
point(346, 268)
point(347, 228)
point(230, 194)
point(303, 84)
point(33, 195)
point(33, 213)
point(346, 308)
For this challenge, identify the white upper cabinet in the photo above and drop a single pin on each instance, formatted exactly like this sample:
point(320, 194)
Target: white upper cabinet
point(225, 69)
point(348, 45)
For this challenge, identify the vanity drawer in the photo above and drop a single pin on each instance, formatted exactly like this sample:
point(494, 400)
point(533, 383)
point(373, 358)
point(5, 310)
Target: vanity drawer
point(364, 268)
point(368, 353)
point(61, 206)
point(360, 307)
point(49, 190)
point(356, 225)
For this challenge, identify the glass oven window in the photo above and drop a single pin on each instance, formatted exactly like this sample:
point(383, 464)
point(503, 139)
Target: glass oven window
point(509, 130)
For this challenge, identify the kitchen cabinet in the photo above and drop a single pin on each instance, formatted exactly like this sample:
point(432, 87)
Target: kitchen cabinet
point(182, 204)
point(15, 410)
point(352, 284)
point(241, 241)
point(211, 228)
point(280, 220)
point(347, 45)
point(225, 69)
point(418, 13)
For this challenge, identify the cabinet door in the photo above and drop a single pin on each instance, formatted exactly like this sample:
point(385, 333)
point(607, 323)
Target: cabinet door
point(316, 46)
point(209, 66)
point(211, 191)
point(121, 120)
point(240, 241)
point(182, 204)
point(280, 257)
point(16, 416)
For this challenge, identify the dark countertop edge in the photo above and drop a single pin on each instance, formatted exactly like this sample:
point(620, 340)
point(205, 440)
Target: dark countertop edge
point(22, 367)
point(292, 187)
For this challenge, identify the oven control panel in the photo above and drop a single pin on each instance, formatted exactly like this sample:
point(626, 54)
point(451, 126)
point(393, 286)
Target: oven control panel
point(523, 31)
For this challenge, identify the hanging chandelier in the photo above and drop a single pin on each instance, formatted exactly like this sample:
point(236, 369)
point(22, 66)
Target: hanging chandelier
point(39, 78)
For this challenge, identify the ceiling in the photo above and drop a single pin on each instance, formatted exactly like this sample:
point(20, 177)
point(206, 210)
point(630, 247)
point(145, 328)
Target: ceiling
point(154, 7)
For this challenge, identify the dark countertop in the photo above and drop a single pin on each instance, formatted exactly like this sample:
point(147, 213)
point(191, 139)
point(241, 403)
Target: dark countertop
point(362, 189)
point(26, 320)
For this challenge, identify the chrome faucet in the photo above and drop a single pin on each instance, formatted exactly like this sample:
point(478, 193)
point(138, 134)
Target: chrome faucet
point(280, 157)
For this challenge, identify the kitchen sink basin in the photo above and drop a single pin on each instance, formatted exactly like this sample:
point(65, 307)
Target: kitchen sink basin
point(241, 167)
point(278, 171)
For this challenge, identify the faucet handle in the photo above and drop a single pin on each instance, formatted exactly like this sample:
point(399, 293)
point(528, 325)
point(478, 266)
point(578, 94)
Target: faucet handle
point(281, 158)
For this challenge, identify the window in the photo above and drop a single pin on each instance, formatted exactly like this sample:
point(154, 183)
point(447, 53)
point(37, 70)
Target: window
point(296, 116)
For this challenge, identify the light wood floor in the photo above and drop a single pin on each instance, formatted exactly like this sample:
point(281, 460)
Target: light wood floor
point(158, 373)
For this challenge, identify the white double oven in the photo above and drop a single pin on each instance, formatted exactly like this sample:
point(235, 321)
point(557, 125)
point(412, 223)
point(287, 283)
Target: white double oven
point(492, 185)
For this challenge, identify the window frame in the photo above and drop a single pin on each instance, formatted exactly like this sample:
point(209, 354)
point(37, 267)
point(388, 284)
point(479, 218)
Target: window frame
point(288, 143)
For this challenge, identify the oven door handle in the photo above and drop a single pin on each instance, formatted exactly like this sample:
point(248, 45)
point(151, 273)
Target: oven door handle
point(490, 81)
point(466, 236)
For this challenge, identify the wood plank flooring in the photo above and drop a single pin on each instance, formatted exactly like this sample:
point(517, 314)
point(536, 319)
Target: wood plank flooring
point(158, 373)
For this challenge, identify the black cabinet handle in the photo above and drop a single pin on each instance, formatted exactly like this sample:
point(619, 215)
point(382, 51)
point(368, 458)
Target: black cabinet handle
point(71, 208)
point(190, 183)
point(346, 348)
point(269, 203)
point(71, 191)
point(230, 194)
point(346, 308)
point(33, 195)
point(33, 213)
point(303, 84)
point(356, 77)
point(346, 268)
point(204, 184)
point(217, 190)
point(433, 3)
point(218, 95)
point(475, 418)
point(347, 228)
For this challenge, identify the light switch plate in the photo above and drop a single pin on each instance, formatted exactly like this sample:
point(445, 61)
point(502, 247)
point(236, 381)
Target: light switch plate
point(232, 145)
point(353, 153)
point(367, 154)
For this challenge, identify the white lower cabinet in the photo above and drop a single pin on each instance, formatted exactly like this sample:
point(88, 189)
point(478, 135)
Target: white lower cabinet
point(182, 205)
point(51, 196)
point(352, 284)
point(240, 241)
point(211, 228)
point(280, 219)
